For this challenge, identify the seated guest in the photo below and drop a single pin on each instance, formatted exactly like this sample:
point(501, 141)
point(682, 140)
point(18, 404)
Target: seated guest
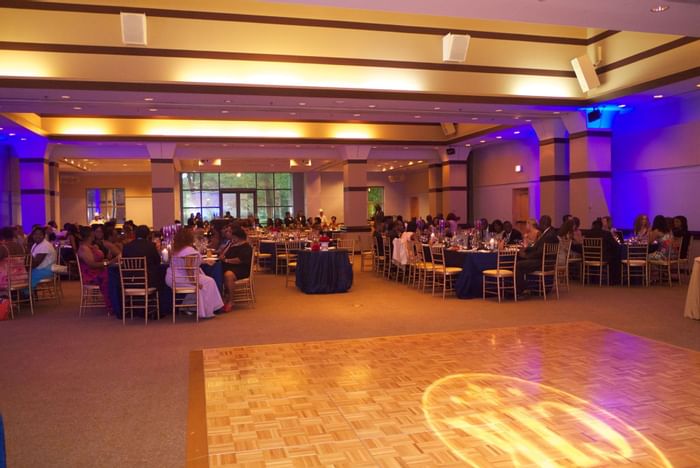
point(641, 228)
point(497, 229)
point(680, 231)
point(288, 219)
point(209, 297)
point(93, 264)
point(530, 258)
point(109, 250)
point(43, 256)
point(662, 236)
point(236, 258)
point(9, 246)
point(142, 246)
point(510, 235)
point(577, 238)
point(608, 226)
point(532, 234)
point(565, 218)
point(300, 220)
point(566, 232)
point(452, 223)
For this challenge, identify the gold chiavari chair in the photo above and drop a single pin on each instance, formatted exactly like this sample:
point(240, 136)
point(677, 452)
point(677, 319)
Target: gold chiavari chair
point(563, 259)
point(593, 263)
point(442, 274)
point(18, 274)
point(636, 264)
point(136, 294)
point(184, 273)
point(386, 243)
point(424, 268)
point(503, 277)
point(90, 295)
point(548, 270)
point(291, 248)
point(684, 262)
point(349, 245)
point(366, 256)
point(378, 266)
point(666, 266)
point(244, 289)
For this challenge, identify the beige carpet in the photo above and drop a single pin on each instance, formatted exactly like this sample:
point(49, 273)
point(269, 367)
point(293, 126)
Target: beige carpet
point(91, 392)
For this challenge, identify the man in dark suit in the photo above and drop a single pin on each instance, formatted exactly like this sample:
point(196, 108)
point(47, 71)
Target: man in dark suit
point(510, 235)
point(143, 247)
point(530, 259)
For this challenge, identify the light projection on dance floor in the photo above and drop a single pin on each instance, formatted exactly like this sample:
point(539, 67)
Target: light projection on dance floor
point(531, 423)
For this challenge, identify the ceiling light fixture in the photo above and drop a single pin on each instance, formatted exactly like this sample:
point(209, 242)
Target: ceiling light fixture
point(475, 118)
point(224, 111)
point(622, 106)
point(436, 108)
point(65, 97)
point(416, 116)
point(499, 110)
point(148, 99)
point(410, 163)
point(71, 162)
point(12, 134)
point(371, 106)
point(659, 8)
point(517, 132)
point(23, 139)
point(356, 115)
point(658, 96)
point(468, 145)
point(238, 174)
point(482, 141)
point(420, 161)
point(77, 108)
point(152, 109)
point(499, 137)
point(302, 103)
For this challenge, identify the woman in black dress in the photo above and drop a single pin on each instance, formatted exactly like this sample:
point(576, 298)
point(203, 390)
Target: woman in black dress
point(236, 256)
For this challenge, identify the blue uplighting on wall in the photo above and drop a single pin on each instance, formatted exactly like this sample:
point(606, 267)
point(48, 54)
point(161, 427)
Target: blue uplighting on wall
point(602, 116)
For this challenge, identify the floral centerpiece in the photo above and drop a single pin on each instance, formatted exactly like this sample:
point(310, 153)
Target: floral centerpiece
point(324, 240)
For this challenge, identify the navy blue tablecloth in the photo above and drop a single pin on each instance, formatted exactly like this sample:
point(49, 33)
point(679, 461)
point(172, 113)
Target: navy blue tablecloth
point(469, 281)
point(323, 272)
point(165, 294)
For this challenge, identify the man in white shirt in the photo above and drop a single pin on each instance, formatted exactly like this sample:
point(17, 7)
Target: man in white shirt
point(43, 256)
point(324, 219)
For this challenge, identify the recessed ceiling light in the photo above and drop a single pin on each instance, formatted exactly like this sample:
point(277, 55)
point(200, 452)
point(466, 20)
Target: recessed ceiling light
point(659, 8)
point(340, 102)
point(405, 147)
point(224, 111)
point(499, 137)
point(556, 112)
point(482, 141)
point(292, 113)
point(475, 118)
point(227, 101)
point(517, 117)
point(152, 109)
point(384, 169)
point(391, 168)
point(149, 99)
point(420, 161)
point(77, 108)
point(356, 115)
point(297, 146)
point(697, 85)
point(517, 132)
point(302, 103)
point(499, 110)
point(658, 96)
point(528, 120)
point(622, 106)
point(238, 174)
point(261, 146)
point(11, 134)
point(374, 147)
point(23, 139)
point(124, 164)
point(372, 106)
point(436, 108)
point(416, 116)
point(65, 97)
point(1, 129)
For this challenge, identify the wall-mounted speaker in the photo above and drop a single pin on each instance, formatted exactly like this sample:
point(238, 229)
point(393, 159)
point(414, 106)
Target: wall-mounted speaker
point(585, 73)
point(448, 128)
point(450, 151)
point(133, 28)
point(454, 47)
point(594, 115)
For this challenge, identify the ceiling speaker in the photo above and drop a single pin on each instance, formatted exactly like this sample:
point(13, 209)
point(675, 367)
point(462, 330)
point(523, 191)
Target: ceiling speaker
point(454, 47)
point(133, 28)
point(585, 73)
point(448, 128)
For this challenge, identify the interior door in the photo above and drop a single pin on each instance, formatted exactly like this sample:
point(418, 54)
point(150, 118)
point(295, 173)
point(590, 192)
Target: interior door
point(239, 203)
point(521, 207)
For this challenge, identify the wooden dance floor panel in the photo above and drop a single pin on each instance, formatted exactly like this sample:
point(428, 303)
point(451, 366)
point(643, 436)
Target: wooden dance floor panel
point(574, 394)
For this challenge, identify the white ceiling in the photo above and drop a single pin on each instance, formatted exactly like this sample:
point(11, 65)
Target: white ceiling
point(682, 17)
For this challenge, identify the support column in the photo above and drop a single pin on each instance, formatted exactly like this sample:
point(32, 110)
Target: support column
point(554, 168)
point(6, 176)
point(435, 188)
point(163, 184)
point(355, 188)
point(34, 181)
point(54, 193)
point(454, 182)
point(591, 175)
point(312, 193)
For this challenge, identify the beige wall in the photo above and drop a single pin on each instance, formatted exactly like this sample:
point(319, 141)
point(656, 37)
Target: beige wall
point(416, 185)
point(331, 199)
point(494, 178)
point(137, 188)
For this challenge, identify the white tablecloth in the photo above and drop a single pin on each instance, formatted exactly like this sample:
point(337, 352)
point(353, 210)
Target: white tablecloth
point(692, 300)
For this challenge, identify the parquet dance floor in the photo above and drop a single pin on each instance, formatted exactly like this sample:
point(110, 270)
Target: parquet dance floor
point(574, 394)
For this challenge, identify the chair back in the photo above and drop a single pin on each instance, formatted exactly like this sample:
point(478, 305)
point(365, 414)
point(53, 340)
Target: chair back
point(348, 244)
point(292, 247)
point(133, 272)
point(592, 249)
point(549, 257)
point(386, 244)
point(638, 251)
point(437, 252)
point(280, 248)
point(507, 258)
point(185, 274)
point(564, 252)
point(19, 268)
point(674, 250)
point(418, 251)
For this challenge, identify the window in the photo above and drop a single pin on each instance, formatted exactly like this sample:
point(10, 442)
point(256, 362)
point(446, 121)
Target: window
point(375, 195)
point(105, 204)
point(201, 192)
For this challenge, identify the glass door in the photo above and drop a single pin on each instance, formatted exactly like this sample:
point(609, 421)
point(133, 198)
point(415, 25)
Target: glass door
point(239, 203)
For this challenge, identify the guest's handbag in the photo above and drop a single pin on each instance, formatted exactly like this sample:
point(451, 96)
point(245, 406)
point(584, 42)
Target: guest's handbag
point(4, 309)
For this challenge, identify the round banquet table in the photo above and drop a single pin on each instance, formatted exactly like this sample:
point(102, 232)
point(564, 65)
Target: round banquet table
point(165, 294)
point(473, 263)
point(692, 300)
point(323, 272)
